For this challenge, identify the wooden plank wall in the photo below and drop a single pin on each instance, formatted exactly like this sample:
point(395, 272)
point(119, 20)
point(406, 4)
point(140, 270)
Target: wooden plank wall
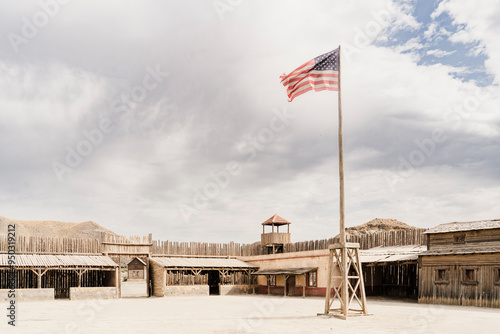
point(116, 244)
point(471, 239)
point(485, 292)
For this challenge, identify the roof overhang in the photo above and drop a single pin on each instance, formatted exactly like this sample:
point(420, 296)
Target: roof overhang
point(286, 271)
point(186, 263)
point(57, 261)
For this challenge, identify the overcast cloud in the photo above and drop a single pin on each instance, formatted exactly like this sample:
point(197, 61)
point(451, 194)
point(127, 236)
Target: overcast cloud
point(168, 117)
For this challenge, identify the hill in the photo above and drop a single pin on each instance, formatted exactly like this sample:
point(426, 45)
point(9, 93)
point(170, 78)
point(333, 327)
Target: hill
point(48, 228)
point(379, 225)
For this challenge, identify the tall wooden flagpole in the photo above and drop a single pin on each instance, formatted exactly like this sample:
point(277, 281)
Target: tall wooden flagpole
point(341, 161)
point(344, 256)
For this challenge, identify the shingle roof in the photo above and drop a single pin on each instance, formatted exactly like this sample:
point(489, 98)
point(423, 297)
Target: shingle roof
point(391, 254)
point(136, 258)
point(465, 226)
point(276, 220)
point(193, 262)
point(42, 261)
point(462, 251)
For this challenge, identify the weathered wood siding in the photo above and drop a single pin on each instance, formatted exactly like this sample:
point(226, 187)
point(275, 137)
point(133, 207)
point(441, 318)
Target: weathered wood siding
point(274, 238)
point(126, 246)
point(464, 239)
point(158, 277)
point(454, 289)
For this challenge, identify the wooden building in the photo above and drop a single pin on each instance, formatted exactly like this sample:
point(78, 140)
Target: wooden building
point(291, 274)
point(136, 269)
point(388, 271)
point(200, 276)
point(293, 281)
point(462, 264)
point(61, 276)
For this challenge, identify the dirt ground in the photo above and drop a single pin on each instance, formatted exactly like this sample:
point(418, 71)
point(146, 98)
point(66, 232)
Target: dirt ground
point(242, 314)
point(134, 289)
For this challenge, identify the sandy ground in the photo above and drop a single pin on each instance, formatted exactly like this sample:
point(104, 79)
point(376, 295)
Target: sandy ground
point(134, 289)
point(243, 314)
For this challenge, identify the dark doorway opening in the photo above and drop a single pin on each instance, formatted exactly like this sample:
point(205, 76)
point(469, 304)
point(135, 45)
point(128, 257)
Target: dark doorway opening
point(290, 285)
point(275, 249)
point(214, 282)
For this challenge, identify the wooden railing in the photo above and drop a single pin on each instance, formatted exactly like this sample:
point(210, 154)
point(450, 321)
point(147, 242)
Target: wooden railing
point(274, 238)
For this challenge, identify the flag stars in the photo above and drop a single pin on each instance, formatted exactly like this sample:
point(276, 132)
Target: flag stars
point(327, 61)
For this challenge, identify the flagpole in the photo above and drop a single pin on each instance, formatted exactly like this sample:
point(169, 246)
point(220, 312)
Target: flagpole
point(341, 163)
point(344, 256)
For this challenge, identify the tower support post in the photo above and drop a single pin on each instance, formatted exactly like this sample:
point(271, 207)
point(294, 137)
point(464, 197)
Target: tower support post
point(345, 295)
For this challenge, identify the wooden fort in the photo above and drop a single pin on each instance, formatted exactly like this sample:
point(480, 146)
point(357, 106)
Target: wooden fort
point(457, 263)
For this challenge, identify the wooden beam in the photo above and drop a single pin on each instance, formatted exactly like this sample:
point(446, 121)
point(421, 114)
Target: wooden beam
point(286, 278)
point(304, 286)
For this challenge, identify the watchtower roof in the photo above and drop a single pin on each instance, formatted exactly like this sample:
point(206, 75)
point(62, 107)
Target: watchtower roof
point(276, 220)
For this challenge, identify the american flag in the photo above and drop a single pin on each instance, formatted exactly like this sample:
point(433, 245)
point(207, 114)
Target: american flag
point(320, 73)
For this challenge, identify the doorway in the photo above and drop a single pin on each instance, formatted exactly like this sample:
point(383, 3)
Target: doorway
point(290, 285)
point(214, 282)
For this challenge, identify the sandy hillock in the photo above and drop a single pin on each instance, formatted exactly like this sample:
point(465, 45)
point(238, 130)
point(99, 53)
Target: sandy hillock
point(48, 228)
point(379, 225)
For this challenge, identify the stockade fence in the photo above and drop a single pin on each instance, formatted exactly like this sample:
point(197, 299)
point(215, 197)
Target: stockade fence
point(368, 240)
point(114, 244)
point(48, 245)
point(118, 245)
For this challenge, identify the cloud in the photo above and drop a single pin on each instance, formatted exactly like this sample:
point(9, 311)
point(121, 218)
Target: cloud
point(462, 36)
point(217, 105)
point(439, 53)
point(478, 24)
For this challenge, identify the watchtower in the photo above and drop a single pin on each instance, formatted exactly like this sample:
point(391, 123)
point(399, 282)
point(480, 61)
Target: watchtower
point(273, 241)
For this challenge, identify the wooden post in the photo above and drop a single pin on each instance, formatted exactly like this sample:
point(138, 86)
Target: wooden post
point(304, 286)
point(39, 278)
point(362, 284)
point(329, 283)
point(286, 278)
point(341, 161)
point(345, 274)
point(39, 274)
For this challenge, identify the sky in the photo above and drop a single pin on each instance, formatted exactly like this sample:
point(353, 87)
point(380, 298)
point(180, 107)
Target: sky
point(168, 117)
